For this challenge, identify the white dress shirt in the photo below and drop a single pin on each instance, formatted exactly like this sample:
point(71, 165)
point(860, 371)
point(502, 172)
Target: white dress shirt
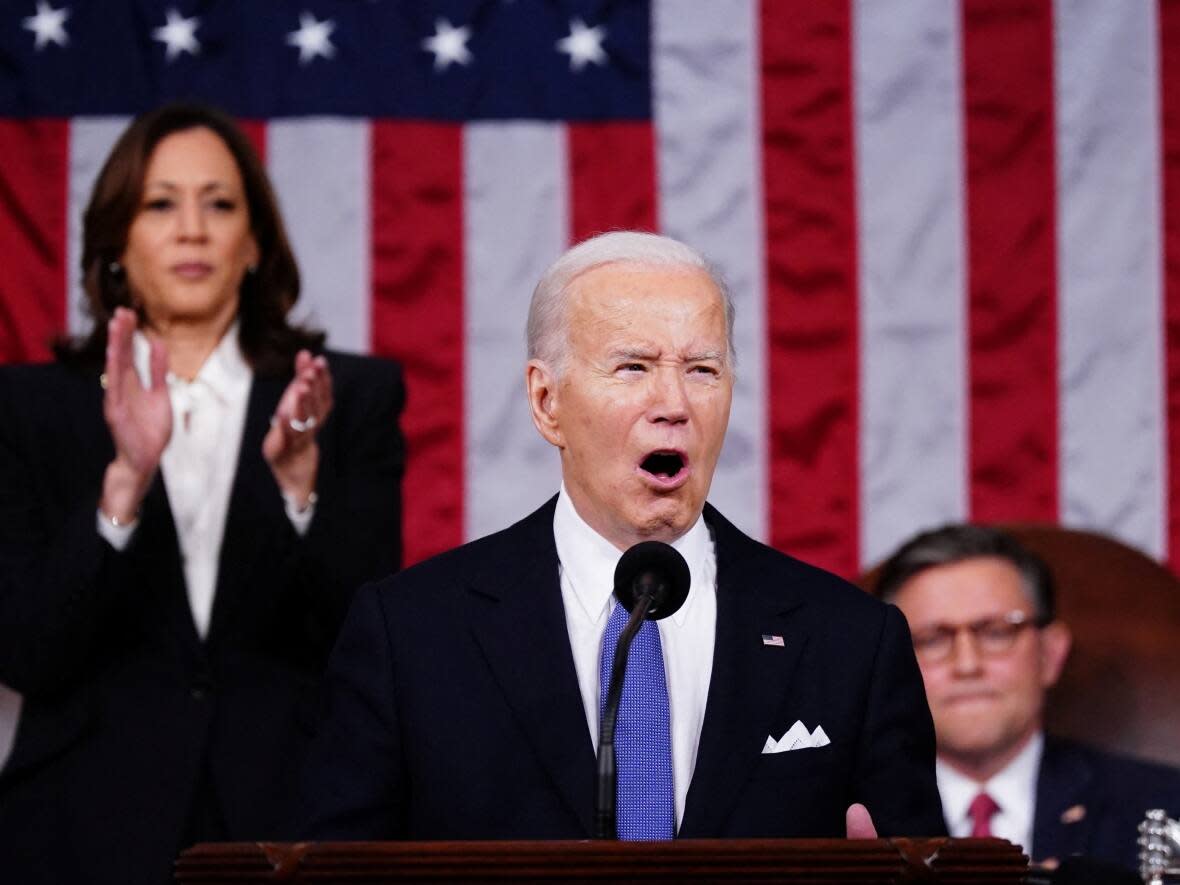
point(587, 580)
point(199, 463)
point(1014, 790)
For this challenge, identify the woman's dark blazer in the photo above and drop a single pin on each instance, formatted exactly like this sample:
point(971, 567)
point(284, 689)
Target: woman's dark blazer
point(125, 707)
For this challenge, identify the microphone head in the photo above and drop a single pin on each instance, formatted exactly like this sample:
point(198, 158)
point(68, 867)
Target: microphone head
point(652, 567)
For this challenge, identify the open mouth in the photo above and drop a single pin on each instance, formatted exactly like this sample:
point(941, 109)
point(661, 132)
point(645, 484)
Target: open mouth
point(665, 465)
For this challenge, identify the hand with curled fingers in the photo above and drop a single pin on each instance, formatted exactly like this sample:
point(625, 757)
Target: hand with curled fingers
point(139, 419)
point(290, 445)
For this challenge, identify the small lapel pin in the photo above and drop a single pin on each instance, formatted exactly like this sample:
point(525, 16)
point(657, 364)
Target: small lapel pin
point(772, 639)
point(1073, 814)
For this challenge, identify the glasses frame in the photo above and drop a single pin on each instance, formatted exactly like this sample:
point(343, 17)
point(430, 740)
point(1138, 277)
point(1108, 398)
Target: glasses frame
point(995, 646)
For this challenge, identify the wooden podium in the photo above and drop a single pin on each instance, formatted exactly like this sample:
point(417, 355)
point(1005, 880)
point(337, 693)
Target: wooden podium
point(991, 861)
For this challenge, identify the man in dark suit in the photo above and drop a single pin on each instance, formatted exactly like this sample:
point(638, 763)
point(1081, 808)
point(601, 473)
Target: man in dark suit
point(981, 608)
point(463, 695)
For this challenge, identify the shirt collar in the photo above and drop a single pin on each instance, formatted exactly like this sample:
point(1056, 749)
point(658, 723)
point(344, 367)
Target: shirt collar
point(225, 372)
point(589, 560)
point(1012, 788)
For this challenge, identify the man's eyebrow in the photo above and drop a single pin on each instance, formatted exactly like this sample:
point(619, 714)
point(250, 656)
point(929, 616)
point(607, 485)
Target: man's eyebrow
point(706, 356)
point(639, 353)
point(632, 353)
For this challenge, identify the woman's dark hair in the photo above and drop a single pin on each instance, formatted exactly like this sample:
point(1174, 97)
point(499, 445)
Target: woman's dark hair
point(269, 343)
point(959, 542)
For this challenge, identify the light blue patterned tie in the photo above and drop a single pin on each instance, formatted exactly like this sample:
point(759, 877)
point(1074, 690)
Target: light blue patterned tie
point(643, 739)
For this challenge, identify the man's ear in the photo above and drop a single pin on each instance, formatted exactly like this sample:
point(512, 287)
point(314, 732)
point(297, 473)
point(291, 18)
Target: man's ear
point(541, 385)
point(1056, 641)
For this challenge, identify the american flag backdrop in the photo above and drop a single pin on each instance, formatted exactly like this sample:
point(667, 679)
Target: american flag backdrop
point(951, 228)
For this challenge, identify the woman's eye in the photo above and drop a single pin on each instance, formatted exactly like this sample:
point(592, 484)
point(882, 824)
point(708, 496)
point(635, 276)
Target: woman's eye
point(159, 204)
point(224, 204)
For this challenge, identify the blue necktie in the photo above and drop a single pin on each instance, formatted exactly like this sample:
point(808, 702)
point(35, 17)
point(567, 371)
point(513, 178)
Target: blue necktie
point(646, 806)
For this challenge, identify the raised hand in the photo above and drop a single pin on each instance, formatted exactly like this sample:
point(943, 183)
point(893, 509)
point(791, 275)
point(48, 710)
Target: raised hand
point(290, 446)
point(139, 419)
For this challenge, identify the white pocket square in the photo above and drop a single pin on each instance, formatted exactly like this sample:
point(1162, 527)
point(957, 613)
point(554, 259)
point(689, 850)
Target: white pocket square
point(797, 738)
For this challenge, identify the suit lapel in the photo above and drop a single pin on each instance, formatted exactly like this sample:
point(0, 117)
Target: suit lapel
point(1062, 818)
point(157, 548)
point(518, 620)
point(749, 683)
point(253, 502)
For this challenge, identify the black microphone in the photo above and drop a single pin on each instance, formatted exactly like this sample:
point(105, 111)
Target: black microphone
point(651, 582)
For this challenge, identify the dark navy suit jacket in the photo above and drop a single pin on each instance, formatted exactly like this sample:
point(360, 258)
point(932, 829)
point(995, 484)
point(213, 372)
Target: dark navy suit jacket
point(126, 709)
point(453, 708)
point(1090, 802)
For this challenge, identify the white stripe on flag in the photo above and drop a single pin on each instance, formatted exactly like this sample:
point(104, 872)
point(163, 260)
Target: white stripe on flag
point(708, 119)
point(91, 139)
point(516, 222)
point(910, 183)
point(321, 170)
point(1109, 268)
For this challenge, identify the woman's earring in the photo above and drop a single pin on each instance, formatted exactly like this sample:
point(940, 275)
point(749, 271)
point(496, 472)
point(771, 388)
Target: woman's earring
point(115, 268)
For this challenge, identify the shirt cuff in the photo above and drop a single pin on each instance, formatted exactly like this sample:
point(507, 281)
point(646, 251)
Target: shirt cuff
point(300, 519)
point(118, 536)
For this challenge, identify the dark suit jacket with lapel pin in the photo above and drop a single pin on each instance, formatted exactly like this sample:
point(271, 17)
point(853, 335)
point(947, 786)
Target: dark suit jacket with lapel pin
point(123, 702)
point(453, 709)
point(1091, 803)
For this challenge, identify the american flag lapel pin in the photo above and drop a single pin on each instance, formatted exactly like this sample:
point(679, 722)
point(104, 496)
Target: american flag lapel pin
point(773, 639)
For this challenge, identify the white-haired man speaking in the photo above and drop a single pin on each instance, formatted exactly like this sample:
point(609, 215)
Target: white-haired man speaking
point(464, 695)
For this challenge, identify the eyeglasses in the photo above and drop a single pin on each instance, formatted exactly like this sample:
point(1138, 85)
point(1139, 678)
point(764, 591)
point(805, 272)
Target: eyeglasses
point(993, 636)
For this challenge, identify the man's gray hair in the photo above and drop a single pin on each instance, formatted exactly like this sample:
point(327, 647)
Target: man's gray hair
point(547, 333)
point(958, 542)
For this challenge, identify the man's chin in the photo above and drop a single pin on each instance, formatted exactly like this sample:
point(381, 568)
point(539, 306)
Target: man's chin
point(969, 739)
point(665, 519)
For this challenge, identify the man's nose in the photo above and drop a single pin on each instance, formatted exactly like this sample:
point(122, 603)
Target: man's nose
point(669, 396)
point(965, 656)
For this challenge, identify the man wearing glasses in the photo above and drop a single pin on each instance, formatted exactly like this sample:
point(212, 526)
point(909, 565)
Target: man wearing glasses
point(981, 611)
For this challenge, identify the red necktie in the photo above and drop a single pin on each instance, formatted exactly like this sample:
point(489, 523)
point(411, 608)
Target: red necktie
point(981, 809)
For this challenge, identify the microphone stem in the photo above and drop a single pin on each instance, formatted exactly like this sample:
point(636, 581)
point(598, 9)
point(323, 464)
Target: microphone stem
point(605, 826)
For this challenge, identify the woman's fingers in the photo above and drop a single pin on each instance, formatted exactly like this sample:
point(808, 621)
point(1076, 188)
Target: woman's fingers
point(119, 361)
point(139, 416)
point(294, 410)
point(159, 365)
point(322, 388)
point(318, 380)
point(302, 409)
point(315, 388)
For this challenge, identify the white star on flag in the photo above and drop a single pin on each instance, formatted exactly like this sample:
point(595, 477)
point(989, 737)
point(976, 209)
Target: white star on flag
point(313, 38)
point(583, 45)
point(178, 34)
point(449, 44)
point(49, 25)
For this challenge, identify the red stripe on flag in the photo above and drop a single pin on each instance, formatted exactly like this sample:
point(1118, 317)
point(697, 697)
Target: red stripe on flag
point(811, 280)
point(612, 178)
point(255, 131)
point(1169, 24)
point(1011, 218)
point(34, 184)
point(417, 232)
